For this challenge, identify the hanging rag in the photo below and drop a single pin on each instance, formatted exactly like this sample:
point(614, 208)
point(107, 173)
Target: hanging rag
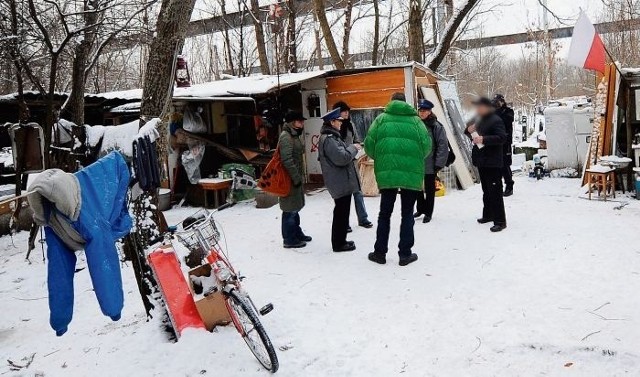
point(90, 210)
point(145, 162)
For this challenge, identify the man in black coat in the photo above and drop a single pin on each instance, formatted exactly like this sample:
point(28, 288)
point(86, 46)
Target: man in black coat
point(434, 162)
point(489, 135)
point(506, 114)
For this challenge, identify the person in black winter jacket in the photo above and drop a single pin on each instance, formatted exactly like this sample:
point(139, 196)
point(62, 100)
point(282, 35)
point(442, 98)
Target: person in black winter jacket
point(506, 114)
point(489, 135)
point(434, 161)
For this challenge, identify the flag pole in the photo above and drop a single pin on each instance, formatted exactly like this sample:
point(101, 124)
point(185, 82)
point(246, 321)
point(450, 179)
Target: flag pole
point(612, 59)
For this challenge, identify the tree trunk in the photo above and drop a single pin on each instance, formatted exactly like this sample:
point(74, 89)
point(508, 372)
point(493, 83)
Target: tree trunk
point(376, 33)
point(227, 38)
point(292, 56)
point(171, 27)
point(261, 46)
point(448, 5)
point(416, 32)
point(14, 52)
point(241, 70)
point(50, 113)
point(347, 32)
point(449, 33)
point(75, 102)
point(316, 33)
point(328, 36)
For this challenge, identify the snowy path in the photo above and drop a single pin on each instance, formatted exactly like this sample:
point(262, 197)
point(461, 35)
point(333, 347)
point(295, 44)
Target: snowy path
point(561, 285)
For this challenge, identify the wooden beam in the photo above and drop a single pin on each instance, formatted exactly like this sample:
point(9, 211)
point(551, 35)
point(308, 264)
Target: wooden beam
point(500, 40)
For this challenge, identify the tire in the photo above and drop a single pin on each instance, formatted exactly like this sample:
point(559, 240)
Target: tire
point(538, 174)
point(244, 316)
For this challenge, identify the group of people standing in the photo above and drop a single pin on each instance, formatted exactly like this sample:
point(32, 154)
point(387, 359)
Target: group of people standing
point(409, 147)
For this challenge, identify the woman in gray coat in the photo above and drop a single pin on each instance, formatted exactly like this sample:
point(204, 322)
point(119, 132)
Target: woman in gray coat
point(340, 177)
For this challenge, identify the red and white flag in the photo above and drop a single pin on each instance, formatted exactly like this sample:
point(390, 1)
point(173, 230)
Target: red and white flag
point(587, 50)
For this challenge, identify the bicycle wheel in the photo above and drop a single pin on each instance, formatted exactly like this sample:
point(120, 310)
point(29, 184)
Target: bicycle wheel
point(246, 321)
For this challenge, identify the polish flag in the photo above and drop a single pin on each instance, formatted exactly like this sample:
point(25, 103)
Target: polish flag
point(587, 50)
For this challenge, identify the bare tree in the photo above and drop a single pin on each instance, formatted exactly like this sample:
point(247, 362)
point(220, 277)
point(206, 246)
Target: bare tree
point(11, 39)
point(227, 39)
point(450, 32)
point(55, 41)
point(376, 33)
point(318, 40)
point(348, 9)
point(292, 54)
point(171, 26)
point(260, 42)
point(416, 31)
point(328, 35)
point(624, 45)
point(103, 26)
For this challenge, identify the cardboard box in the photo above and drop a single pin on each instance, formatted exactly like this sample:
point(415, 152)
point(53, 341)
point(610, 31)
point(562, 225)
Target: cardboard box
point(212, 308)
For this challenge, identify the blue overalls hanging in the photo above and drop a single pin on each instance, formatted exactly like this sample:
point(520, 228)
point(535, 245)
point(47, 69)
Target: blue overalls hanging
point(87, 210)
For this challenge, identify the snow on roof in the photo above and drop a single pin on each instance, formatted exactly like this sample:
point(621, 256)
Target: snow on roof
point(10, 97)
point(131, 107)
point(630, 71)
point(244, 86)
point(132, 94)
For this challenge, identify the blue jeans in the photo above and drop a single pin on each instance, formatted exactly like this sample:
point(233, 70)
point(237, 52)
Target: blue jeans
point(361, 210)
point(387, 201)
point(291, 231)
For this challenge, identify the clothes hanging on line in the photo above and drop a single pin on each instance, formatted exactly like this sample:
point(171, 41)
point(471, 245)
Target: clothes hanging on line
point(92, 205)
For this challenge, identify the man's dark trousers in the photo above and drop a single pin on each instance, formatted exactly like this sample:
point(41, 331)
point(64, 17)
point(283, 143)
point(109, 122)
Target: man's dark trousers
point(387, 201)
point(507, 174)
point(340, 223)
point(491, 180)
point(426, 199)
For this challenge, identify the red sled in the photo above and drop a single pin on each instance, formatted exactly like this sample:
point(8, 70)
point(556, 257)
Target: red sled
point(182, 310)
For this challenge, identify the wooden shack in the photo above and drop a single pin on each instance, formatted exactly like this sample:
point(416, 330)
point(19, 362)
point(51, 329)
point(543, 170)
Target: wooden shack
point(368, 90)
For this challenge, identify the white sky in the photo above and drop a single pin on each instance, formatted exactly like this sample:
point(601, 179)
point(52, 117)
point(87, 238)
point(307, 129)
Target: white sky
point(515, 16)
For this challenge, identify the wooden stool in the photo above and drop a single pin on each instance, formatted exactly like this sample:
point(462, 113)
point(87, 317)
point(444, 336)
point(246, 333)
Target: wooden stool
point(220, 187)
point(602, 180)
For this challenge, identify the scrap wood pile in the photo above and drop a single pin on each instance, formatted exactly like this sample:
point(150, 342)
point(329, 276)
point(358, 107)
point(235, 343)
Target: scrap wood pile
point(243, 155)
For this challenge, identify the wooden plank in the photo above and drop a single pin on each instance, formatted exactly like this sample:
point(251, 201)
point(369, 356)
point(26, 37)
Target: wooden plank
point(463, 174)
point(607, 135)
point(426, 81)
point(367, 81)
point(365, 100)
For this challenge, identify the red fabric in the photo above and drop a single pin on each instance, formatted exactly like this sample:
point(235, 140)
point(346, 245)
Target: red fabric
point(177, 295)
point(596, 60)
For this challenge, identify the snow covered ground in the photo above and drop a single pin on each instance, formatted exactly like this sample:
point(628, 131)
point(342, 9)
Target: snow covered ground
point(556, 294)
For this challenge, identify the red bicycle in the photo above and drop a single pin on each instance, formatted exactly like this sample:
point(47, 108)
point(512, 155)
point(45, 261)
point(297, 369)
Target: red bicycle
point(201, 235)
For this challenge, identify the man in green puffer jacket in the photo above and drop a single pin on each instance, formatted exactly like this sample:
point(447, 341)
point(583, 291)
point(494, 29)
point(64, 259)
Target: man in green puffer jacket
point(398, 143)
